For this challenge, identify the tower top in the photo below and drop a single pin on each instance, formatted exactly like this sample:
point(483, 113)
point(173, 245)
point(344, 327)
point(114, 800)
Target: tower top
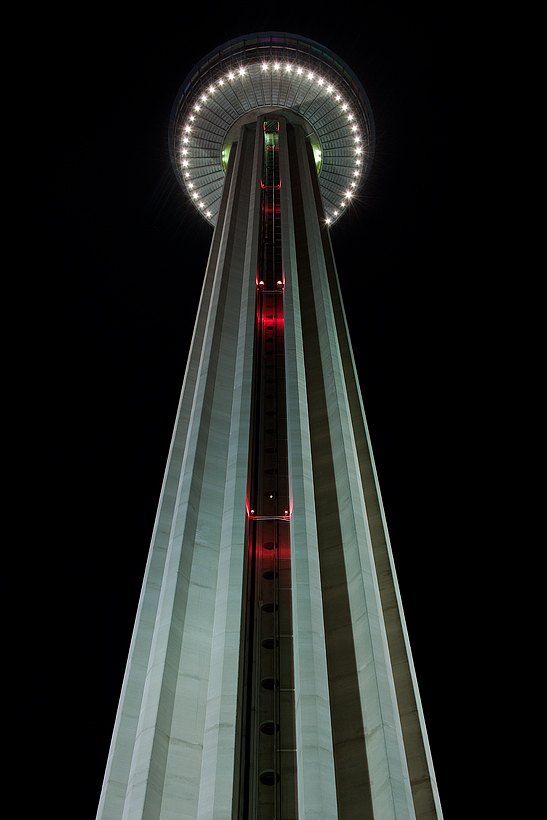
point(269, 72)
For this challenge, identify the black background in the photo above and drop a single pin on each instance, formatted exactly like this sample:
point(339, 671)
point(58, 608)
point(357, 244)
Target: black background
point(123, 260)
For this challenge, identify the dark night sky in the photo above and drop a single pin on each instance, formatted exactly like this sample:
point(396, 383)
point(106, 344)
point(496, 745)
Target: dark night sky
point(125, 260)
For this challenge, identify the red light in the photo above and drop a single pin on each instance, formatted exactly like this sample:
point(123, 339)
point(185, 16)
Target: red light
point(261, 282)
point(252, 512)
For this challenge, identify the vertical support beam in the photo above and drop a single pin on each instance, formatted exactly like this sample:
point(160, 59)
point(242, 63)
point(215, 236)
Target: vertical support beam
point(219, 748)
point(314, 760)
point(112, 799)
point(420, 764)
point(389, 781)
point(170, 709)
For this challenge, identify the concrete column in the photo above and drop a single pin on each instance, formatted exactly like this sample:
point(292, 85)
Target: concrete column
point(314, 761)
point(112, 798)
point(156, 761)
point(387, 768)
point(420, 764)
point(219, 749)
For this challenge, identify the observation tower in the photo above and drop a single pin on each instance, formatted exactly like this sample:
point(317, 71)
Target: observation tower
point(270, 674)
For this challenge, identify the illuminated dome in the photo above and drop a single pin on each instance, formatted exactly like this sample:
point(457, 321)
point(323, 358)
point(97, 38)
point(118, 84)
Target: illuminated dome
point(263, 73)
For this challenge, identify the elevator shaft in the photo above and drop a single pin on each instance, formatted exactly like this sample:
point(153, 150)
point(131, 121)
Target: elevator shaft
point(268, 768)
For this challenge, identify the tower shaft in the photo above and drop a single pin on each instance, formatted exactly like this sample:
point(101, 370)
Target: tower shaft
point(269, 674)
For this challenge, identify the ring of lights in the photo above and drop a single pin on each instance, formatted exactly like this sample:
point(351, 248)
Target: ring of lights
point(263, 73)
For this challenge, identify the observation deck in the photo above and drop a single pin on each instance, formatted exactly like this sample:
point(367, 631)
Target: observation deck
point(266, 73)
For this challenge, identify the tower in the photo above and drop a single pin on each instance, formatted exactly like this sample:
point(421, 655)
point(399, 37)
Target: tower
point(269, 674)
